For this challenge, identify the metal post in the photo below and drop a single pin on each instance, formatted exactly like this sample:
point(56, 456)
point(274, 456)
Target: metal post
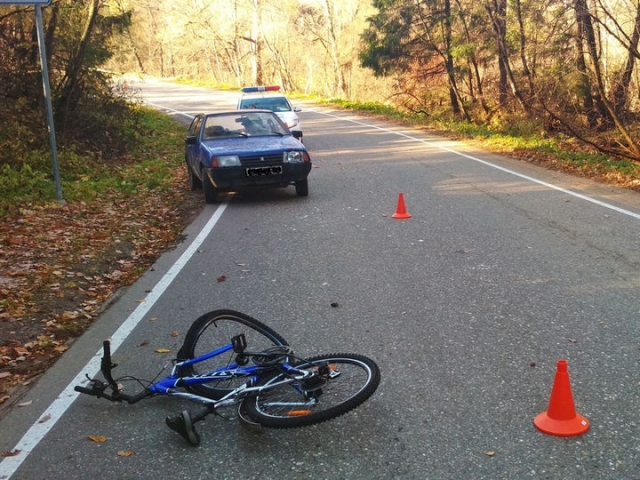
point(47, 99)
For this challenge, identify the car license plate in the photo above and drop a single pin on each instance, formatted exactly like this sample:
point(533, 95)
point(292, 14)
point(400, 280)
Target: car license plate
point(262, 171)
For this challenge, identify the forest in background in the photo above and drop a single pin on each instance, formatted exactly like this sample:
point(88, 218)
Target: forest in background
point(528, 66)
point(525, 67)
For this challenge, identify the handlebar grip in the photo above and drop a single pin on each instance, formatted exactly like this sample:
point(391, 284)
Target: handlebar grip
point(88, 391)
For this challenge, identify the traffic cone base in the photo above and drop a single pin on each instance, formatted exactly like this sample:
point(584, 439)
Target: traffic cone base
point(561, 428)
point(561, 418)
point(401, 210)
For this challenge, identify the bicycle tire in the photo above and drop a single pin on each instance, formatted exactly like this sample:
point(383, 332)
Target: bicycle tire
point(282, 407)
point(213, 330)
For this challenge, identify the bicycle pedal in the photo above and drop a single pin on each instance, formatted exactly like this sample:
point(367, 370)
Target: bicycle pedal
point(312, 384)
point(183, 425)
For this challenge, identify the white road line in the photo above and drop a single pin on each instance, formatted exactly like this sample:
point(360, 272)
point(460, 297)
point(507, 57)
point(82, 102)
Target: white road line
point(60, 405)
point(489, 164)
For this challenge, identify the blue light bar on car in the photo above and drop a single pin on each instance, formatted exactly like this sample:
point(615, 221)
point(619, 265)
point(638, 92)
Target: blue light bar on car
point(262, 88)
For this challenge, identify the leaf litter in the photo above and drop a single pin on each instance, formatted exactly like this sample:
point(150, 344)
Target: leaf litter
point(60, 264)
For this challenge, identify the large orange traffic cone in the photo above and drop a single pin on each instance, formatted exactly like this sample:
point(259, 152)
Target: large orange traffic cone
point(561, 418)
point(401, 210)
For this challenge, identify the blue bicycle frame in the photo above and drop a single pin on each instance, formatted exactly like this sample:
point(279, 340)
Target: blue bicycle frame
point(169, 385)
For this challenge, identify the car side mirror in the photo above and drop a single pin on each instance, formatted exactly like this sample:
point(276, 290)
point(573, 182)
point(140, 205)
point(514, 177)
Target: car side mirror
point(191, 140)
point(297, 109)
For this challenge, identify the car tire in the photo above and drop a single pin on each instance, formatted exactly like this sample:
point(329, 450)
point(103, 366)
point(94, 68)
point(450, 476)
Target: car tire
point(210, 192)
point(194, 182)
point(302, 188)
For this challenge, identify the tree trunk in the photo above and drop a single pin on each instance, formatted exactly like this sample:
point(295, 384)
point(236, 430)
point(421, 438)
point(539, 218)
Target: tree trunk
point(523, 57)
point(584, 86)
point(498, 16)
point(73, 71)
point(474, 70)
point(333, 49)
point(586, 28)
point(456, 105)
point(605, 109)
point(498, 12)
point(256, 47)
point(621, 93)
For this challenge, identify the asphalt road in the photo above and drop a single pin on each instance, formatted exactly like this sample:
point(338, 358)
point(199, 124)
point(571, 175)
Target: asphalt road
point(502, 270)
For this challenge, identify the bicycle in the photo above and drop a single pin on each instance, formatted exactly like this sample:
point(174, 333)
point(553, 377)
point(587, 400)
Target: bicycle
point(271, 386)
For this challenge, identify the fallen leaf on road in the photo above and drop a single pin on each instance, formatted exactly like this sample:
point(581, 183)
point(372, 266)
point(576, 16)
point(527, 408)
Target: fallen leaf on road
point(126, 453)
point(97, 438)
point(46, 418)
point(162, 350)
point(11, 454)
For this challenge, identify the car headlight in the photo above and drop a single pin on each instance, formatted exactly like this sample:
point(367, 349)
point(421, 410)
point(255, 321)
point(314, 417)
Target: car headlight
point(292, 122)
point(296, 156)
point(226, 161)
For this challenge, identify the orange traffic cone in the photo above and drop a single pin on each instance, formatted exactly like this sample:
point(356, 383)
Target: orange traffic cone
point(561, 418)
point(401, 211)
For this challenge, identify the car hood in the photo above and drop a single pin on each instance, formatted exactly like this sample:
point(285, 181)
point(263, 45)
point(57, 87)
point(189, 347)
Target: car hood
point(286, 115)
point(252, 145)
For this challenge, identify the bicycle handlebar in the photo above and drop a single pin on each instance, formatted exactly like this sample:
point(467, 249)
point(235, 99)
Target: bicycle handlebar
point(99, 391)
point(98, 388)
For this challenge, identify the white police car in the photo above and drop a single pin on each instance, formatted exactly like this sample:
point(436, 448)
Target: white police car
point(266, 98)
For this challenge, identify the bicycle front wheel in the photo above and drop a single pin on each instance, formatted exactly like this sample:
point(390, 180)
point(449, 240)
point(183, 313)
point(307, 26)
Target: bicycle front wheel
point(351, 381)
point(214, 330)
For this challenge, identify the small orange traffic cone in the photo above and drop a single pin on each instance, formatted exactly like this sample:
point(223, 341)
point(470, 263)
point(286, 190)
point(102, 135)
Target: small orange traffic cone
point(401, 211)
point(561, 418)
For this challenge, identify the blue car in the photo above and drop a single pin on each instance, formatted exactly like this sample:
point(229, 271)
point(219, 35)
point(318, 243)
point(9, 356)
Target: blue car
point(240, 149)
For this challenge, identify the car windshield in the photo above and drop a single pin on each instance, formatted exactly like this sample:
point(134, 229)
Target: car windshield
point(249, 124)
point(275, 104)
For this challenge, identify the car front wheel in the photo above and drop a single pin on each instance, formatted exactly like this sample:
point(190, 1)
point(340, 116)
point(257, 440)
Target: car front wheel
point(210, 192)
point(302, 188)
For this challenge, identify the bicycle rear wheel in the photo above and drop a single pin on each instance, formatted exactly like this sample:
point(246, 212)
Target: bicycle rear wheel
point(352, 380)
point(214, 330)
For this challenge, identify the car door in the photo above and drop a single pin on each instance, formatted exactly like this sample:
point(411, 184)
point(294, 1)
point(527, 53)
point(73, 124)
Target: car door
point(192, 143)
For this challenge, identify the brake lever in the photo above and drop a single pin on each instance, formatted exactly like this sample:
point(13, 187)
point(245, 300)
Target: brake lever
point(106, 366)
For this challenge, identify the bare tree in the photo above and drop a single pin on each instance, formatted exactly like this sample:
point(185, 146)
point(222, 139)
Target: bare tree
point(73, 70)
